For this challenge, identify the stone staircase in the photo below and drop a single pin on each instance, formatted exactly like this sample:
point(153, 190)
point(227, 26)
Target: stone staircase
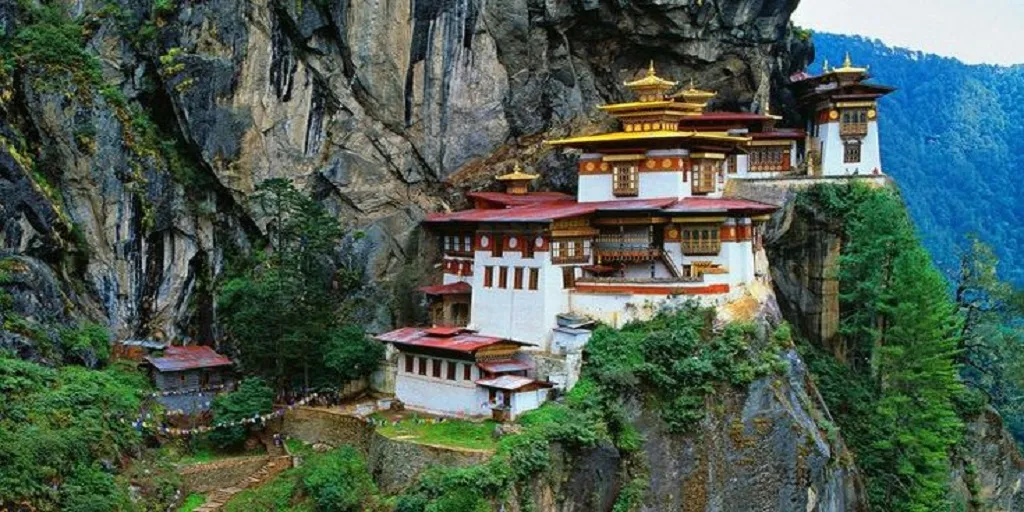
point(275, 464)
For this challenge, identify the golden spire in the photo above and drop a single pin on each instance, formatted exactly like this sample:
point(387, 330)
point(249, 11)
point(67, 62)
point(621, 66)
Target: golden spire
point(517, 174)
point(694, 96)
point(651, 87)
point(517, 182)
point(848, 67)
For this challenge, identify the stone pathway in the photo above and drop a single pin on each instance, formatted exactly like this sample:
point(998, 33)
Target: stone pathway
point(216, 499)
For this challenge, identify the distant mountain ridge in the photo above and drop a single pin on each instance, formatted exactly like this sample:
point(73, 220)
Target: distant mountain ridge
point(952, 140)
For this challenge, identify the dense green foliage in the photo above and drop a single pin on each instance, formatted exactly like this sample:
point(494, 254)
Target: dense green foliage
point(335, 481)
point(674, 361)
point(893, 384)
point(339, 481)
point(677, 360)
point(62, 431)
point(992, 334)
point(253, 397)
point(286, 313)
point(950, 140)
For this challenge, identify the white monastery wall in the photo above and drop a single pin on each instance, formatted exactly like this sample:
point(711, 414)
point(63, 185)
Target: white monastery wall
point(595, 187)
point(440, 395)
point(832, 152)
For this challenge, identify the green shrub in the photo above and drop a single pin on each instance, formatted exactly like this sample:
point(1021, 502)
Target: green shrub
point(339, 481)
point(252, 398)
point(87, 344)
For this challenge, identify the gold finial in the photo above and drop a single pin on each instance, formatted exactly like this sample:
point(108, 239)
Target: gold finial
point(847, 62)
point(650, 68)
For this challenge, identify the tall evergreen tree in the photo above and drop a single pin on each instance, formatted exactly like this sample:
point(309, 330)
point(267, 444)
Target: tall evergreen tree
point(285, 315)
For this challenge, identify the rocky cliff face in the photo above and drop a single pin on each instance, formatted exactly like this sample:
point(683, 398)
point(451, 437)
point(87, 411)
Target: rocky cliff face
point(133, 186)
point(760, 448)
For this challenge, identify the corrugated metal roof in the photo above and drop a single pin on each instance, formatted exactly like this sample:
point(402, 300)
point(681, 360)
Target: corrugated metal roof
point(710, 205)
point(506, 382)
point(509, 365)
point(457, 288)
point(176, 359)
point(453, 339)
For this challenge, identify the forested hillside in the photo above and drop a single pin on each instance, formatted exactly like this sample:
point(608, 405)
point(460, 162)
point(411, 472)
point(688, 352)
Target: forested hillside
point(952, 140)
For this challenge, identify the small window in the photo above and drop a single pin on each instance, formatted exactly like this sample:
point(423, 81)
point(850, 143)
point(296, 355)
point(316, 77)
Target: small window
point(451, 370)
point(851, 152)
point(534, 278)
point(498, 247)
point(423, 366)
point(467, 371)
point(568, 277)
point(437, 368)
point(502, 277)
point(488, 277)
point(732, 166)
point(624, 180)
point(408, 363)
point(517, 281)
point(528, 247)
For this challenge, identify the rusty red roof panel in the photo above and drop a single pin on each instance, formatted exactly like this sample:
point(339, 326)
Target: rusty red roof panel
point(508, 365)
point(177, 359)
point(546, 212)
point(519, 199)
point(509, 382)
point(778, 134)
point(727, 116)
point(456, 288)
point(712, 205)
point(464, 341)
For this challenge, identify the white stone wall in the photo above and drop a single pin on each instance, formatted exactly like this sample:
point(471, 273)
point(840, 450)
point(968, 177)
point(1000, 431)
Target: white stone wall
point(595, 187)
point(453, 278)
point(832, 151)
point(522, 315)
point(440, 395)
point(528, 401)
point(662, 184)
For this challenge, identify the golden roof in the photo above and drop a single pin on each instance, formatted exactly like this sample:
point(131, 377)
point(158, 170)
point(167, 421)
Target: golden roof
point(651, 81)
point(694, 95)
point(848, 67)
point(649, 135)
point(517, 174)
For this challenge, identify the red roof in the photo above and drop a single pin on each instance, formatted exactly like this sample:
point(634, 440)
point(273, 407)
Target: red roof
point(443, 338)
point(176, 359)
point(502, 198)
point(546, 212)
point(456, 288)
point(711, 205)
point(728, 116)
point(505, 366)
point(778, 134)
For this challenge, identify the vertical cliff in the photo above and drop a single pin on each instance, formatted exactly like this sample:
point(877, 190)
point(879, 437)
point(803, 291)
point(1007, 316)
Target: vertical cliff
point(135, 131)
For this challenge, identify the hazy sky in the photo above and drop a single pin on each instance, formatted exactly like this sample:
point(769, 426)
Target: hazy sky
point(974, 31)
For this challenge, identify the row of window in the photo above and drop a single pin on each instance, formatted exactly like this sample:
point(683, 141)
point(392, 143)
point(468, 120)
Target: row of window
point(458, 243)
point(625, 180)
point(518, 274)
point(438, 367)
point(851, 152)
point(570, 250)
point(769, 159)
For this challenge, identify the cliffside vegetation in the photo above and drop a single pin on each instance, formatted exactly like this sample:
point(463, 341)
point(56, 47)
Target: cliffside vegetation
point(894, 384)
point(671, 364)
point(949, 139)
point(288, 311)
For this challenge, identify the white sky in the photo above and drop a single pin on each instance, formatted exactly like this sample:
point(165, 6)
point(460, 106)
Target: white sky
point(974, 31)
